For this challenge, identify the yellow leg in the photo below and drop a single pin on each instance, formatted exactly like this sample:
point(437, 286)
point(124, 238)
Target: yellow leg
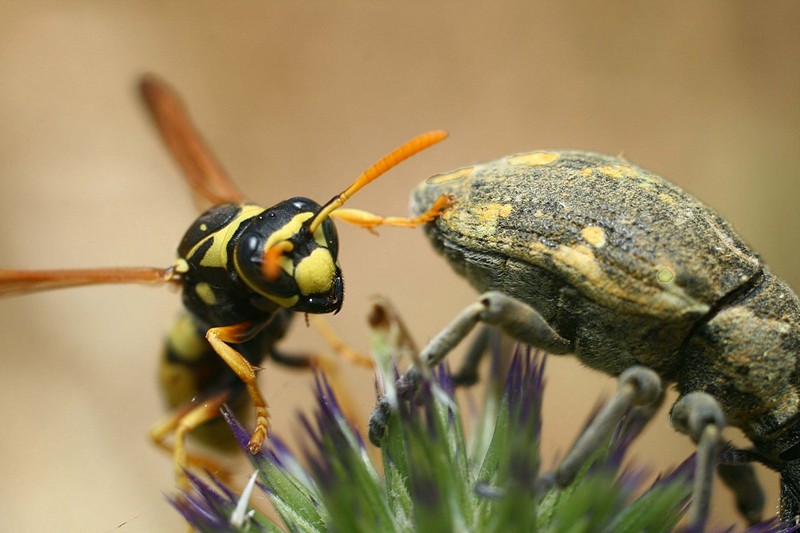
point(180, 423)
point(218, 337)
point(369, 220)
point(338, 345)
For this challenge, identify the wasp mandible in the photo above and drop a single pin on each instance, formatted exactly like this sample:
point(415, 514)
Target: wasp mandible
point(244, 271)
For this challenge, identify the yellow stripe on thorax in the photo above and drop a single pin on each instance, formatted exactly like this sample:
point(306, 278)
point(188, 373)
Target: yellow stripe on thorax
point(217, 253)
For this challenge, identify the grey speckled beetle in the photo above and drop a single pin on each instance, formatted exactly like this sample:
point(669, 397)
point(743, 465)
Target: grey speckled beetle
point(587, 254)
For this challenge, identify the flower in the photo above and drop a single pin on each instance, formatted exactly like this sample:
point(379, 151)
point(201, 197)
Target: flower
point(435, 477)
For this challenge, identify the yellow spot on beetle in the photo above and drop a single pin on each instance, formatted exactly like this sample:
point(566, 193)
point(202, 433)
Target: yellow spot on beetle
point(665, 275)
point(667, 199)
point(617, 171)
point(581, 258)
point(594, 235)
point(456, 175)
point(586, 172)
point(314, 274)
point(533, 159)
point(489, 213)
point(203, 227)
point(206, 293)
point(482, 218)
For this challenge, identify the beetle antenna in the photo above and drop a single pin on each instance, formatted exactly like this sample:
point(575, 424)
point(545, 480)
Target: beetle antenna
point(393, 158)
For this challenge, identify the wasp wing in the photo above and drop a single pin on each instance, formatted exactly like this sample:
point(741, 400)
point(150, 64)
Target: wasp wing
point(26, 281)
point(201, 169)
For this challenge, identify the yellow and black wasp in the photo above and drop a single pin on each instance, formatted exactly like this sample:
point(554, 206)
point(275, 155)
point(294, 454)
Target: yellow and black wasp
point(244, 271)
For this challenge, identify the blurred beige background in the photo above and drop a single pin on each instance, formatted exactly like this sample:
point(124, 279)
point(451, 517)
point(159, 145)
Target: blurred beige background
point(297, 98)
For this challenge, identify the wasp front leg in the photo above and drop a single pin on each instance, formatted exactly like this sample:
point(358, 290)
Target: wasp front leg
point(218, 338)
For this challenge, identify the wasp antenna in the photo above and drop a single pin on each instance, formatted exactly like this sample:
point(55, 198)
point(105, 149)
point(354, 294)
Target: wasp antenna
point(271, 267)
point(393, 158)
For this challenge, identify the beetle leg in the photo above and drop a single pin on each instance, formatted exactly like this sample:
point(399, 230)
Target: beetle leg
point(510, 315)
point(218, 337)
point(638, 386)
point(468, 373)
point(337, 344)
point(699, 415)
point(515, 318)
point(180, 423)
point(742, 481)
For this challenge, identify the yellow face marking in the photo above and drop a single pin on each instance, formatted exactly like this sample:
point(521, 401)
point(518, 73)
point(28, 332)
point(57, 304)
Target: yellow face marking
point(314, 274)
point(217, 254)
point(533, 159)
point(319, 237)
point(206, 293)
point(456, 175)
point(289, 229)
point(288, 303)
point(594, 235)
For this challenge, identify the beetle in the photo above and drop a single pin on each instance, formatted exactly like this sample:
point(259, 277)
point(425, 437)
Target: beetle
point(244, 271)
point(587, 254)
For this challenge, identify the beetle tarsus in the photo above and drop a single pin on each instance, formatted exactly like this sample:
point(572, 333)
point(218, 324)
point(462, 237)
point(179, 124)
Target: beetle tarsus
point(379, 421)
point(742, 481)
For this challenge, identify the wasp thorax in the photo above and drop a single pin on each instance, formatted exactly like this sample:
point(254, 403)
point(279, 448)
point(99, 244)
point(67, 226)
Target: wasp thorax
point(280, 259)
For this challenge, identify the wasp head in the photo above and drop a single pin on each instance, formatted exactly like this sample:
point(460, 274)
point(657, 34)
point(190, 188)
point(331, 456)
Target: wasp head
point(281, 258)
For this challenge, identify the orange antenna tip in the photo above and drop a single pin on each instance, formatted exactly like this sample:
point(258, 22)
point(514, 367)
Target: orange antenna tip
point(271, 265)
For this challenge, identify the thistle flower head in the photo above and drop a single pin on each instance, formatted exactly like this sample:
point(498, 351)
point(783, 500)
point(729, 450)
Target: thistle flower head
point(435, 477)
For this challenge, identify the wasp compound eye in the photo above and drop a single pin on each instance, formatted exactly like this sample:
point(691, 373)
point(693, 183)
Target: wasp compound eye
point(280, 259)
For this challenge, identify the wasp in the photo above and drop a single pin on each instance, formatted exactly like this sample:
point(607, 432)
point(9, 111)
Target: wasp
point(587, 254)
point(244, 272)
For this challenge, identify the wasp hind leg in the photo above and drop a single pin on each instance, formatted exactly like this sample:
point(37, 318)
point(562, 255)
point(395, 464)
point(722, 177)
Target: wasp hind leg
point(218, 338)
point(179, 424)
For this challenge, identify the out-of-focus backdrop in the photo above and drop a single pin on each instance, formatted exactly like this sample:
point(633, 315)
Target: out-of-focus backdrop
point(297, 98)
